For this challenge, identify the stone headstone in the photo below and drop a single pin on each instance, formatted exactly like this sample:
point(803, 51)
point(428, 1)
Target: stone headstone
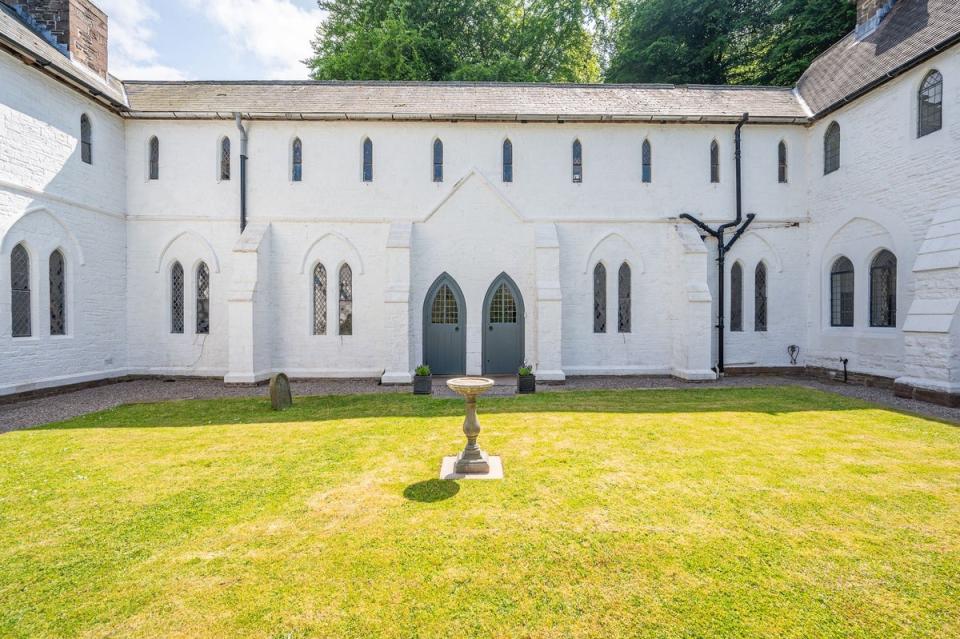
point(280, 397)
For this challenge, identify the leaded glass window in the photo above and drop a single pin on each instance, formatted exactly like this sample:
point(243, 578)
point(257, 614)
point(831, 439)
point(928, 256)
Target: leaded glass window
point(86, 139)
point(58, 294)
point(782, 162)
point(577, 161)
point(176, 299)
point(831, 149)
point(507, 161)
point(760, 298)
point(714, 162)
point(647, 162)
point(883, 290)
point(319, 300)
point(736, 298)
point(445, 309)
point(367, 160)
point(931, 104)
point(346, 300)
point(225, 159)
point(437, 161)
point(503, 307)
point(297, 174)
point(203, 299)
point(600, 299)
point(154, 158)
point(841, 293)
point(20, 292)
point(624, 310)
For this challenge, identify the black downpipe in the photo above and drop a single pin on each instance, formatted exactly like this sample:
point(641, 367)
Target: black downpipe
point(243, 172)
point(722, 246)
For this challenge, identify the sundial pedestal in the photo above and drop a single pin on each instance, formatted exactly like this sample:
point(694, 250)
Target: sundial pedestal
point(472, 462)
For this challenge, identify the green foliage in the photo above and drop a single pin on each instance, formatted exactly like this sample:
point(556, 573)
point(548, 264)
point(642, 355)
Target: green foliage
point(526, 370)
point(422, 370)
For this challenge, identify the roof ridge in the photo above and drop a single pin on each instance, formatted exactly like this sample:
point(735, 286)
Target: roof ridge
point(456, 84)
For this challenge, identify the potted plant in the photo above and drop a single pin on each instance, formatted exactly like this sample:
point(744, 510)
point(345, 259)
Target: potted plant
point(423, 380)
point(526, 380)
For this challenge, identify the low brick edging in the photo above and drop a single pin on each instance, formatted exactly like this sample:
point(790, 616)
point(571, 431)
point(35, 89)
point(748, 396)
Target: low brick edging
point(942, 398)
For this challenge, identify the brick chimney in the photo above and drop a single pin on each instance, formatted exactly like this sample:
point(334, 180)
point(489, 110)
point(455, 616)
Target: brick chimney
point(75, 25)
point(869, 15)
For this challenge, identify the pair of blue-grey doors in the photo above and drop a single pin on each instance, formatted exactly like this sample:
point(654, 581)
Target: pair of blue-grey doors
point(445, 328)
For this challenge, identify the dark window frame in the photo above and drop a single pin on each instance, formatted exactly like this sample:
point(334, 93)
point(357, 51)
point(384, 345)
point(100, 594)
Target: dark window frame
point(296, 172)
point(177, 299)
point(154, 161)
point(842, 293)
point(86, 139)
point(930, 104)
point(507, 161)
point(577, 162)
point(625, 299)
point(647, 160)
point(599, 298)
point(21, 293)
point(345, 288)
point(714, 162)
point(782, 163)
point(760, 305)
point(202, 298)
point(883, 303)
point(320, 281)
point(736, 298)
point(225, 158)
point(57, 273)
point(438, 160)
point(831, 149)
point(367, 160)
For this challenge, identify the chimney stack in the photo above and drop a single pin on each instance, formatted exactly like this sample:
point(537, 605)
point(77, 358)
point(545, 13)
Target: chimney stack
point(77, 26)
point(869, 15)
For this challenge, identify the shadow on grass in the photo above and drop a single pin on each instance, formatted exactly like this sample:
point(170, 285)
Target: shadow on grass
point(431, 491)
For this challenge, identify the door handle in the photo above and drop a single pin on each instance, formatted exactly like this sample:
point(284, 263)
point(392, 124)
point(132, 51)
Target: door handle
point(490, 328)
point(456, 328)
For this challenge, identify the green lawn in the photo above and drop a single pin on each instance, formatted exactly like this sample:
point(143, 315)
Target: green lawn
point(695, 513)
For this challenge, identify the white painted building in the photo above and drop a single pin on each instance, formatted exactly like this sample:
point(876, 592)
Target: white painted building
point(476, 227)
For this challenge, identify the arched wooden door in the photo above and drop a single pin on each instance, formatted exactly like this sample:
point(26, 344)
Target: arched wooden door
point(503, 349)
point(444, 328)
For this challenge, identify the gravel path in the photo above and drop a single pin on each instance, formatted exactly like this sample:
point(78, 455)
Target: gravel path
point(33, 412)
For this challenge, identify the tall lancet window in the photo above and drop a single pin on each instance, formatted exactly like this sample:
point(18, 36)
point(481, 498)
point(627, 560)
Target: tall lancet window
point(736, 298)
point(346, 300)
point(507, 161)
point(58, 294)
point(600, 299)
point(176, 299)
point(154, 158)
point(782, 162)
point(319, 300)
point(577, 162)
point(367, 160)
point(714, 162)
point(225, 159)
point(931, 104)
point(203, 299)
point(760, 298)
point(647, 162)
point(20, 292)
point(883, 290)
point(831, 149)
point(841, 293)
point(624, 310)
point(437, 160)
point(297, 172)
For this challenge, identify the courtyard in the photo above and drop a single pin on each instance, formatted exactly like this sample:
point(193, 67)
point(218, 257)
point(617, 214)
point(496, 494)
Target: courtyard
point(721, 512)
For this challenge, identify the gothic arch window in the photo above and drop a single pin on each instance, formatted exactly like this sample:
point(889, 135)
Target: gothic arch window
point(577, 162)
point(647, 162)
point(437, 160)
point(86, 139)
point(203, 299)
point(736, 298)
point(367, 160)
point(782, 162)
point(831, 149)
point(760, 298)
point(20, 292)
point(841, 293)
point(319, 300)
point(176, 299)
point(714, 162)
point(624, 310)
point(297, 152)
point(346, 300)
point(600, 298)
point(225, 159)
point(58, 294)
point(154, 158)
point(507, 161)
point(931, 104)
point(883, 290)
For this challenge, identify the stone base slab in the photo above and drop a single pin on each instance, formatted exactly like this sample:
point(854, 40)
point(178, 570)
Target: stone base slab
point(448, 469)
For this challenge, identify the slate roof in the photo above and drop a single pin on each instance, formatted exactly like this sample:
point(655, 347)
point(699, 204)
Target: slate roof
point(913, 31)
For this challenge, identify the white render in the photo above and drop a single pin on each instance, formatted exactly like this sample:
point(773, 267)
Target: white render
point(121, 233)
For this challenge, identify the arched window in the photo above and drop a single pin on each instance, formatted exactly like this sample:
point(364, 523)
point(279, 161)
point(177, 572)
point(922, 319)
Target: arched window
point(297, 172)
point(600, 299)
point(176, 299)
point(20, 292)
point(346, 300)
point(507, 161)
point(58, 294)
point(445, 309)
point(577, 162)
point(437, 160)
point(367, 160)
point(782, 162)
point(225, 158)
point(647, 162)
point(931, 104)
point(203, 299)
point(86, 139)
point(760, 298)
point(831, 149)
point(623, 299)
point(841, 293)
point(319, 300)
point(714, 162)
point(736, 298)
point(154, 158)
point(883, 290)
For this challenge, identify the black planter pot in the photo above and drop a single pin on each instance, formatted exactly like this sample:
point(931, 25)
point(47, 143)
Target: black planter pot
point(422, 384)
point(526, 384)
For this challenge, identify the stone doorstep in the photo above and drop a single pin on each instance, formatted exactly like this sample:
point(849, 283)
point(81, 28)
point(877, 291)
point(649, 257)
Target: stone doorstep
point(449, 463)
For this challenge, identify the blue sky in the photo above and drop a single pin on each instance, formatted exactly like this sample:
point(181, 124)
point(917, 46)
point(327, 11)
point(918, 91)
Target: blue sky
point(210, 39)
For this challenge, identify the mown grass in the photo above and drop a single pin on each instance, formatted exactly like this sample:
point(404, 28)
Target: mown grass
point(695, 513)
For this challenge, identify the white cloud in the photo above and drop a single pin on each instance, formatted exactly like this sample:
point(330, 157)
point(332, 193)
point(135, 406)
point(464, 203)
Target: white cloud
point(275, 32)
point(132, 57)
